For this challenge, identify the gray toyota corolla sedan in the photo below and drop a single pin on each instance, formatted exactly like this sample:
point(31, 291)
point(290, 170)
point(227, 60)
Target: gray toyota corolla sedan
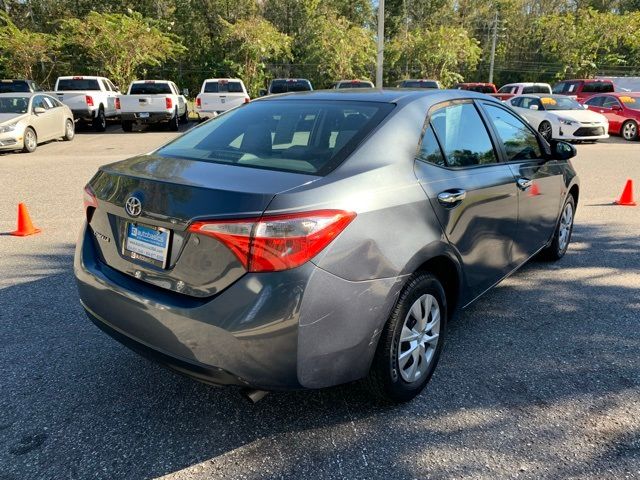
point(312, 239)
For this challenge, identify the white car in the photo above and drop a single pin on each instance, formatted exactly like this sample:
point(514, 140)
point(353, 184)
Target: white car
point(91, 99)
point(218, 95)
point(28, 119)
point(153, 101)
point(523, 88)
point(560, 117)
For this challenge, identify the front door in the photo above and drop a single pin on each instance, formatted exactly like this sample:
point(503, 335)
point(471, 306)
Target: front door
point(473, 195)
point(540, 182)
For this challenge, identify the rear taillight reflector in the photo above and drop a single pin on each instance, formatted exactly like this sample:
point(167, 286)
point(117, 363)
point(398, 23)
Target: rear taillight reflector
point(246, 100)
point(117, 103)
point(277, 242)
point(198, 102)
point(89, 198)
point(169, 102)
point(89, 100)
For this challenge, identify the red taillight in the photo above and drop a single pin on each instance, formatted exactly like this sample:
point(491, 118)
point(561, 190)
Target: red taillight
point(89, 198)
point(277, 242)
point(89, 100)
point(117, 103)
point(169, 103)
point(198, 102)
point(246, 100)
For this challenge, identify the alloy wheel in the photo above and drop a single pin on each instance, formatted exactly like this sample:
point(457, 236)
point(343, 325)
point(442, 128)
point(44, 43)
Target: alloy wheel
point(545, 130)
point(629, 131)
point(419, 338)
point(30, 140)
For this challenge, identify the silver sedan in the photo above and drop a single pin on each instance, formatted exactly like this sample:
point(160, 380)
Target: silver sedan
point(29, 119)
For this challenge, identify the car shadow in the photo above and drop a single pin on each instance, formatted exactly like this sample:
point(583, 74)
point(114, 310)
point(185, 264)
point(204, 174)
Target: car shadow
point(554, 337)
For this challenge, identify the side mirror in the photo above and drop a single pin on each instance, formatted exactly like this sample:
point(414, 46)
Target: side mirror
point(185, 92)
point(562, 150)
point(39, 110)
point(585, 106)
point(262, 92)
point(533, 107)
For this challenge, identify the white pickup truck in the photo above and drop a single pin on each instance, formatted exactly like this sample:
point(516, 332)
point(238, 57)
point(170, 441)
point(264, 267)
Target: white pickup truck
point(153, 101)
point(91, 99)
point(218, 95)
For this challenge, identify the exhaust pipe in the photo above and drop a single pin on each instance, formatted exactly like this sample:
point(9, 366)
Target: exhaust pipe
point(254, 396)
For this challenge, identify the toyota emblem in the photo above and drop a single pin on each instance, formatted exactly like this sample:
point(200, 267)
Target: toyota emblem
point(133, 206)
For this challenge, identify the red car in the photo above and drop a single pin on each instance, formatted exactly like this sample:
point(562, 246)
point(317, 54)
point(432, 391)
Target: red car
point(489, 88)
point(621, 109)
point(582, 89)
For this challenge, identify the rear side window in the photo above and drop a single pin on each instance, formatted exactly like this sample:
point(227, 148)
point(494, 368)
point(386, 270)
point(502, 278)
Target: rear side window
point(149, 88)
point(597, 87)
point(14, 86)
point(310, 137)
point(223, 87)
point(516, 102)
point(565, 87)
point(78, 84)
point(519, 141)
point(463, 136)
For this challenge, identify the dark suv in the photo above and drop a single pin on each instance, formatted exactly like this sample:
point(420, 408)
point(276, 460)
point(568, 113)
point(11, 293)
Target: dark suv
point(19, 86)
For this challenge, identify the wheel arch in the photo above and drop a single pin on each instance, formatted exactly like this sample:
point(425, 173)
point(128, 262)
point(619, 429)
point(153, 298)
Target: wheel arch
point(449, 273)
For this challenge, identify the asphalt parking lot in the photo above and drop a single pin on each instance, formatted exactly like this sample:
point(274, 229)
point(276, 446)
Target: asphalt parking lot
point(539, 379)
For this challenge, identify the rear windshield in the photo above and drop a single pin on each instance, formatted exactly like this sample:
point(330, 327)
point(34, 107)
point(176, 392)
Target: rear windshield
point(149, 88)
point(14, 86)
point(536, 89)
point(597, 87)
point(283, 86)
point(78, 84)
point(310, 137)
point(418, 84)
point(354, 85)
point(223, 87)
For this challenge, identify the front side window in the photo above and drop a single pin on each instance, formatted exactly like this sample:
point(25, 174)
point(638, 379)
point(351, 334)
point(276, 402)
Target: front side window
point(38, 101)
point(463, 136)
point(519, 141)
point(610, 102)
point(595, 101)
point(296, 136)
point(516, 102)
point(527, 102)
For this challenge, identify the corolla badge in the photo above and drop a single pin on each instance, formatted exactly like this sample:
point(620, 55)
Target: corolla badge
point(133, 206)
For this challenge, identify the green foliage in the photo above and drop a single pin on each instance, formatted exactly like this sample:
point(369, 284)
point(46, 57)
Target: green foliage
point(249, 44)
point(23, 51)
point(120, 45)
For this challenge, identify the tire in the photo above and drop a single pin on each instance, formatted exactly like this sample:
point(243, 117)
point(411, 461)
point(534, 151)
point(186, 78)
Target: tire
point(174, 123)
point(629, 130)
point(390, 377)
point(545, 130)
point(184, 118)
point(560, 241)
point(127, 125)
point(30, 140)
point(69, 130)
point(100, 122)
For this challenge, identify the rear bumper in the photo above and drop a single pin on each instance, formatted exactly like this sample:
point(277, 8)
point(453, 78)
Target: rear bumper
point(154, 117)
point(273, 331)
point(83, 114)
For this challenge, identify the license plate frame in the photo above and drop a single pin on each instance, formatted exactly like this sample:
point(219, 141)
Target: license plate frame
point(137, 247)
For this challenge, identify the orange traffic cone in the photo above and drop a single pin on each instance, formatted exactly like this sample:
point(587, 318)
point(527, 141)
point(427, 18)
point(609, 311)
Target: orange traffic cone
point(534, 190)
point(25, 227)
point(627, 195)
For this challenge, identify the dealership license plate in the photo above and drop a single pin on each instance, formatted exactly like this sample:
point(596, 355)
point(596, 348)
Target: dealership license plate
point(149, 244)
point(143, 115)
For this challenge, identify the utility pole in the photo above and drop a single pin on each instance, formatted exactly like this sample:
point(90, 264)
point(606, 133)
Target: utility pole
point(493, 46)
point(380, 43)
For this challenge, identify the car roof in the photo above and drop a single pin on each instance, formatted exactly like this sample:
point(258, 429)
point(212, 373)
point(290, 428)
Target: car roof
point(220, 79)
point(615, 94)
point(355, 80)
point(22, 94)
point(541, 95)
point(395, 96)
point(80, 77)
point(524, 84)
point(151, 80)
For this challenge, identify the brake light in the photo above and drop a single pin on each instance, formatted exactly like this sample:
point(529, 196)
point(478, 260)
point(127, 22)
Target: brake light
point(246, 100)
point(169, 103)
point(198, 102)
point(117, 103)
point(277, 242)
point(89, 198)
point(89, 100)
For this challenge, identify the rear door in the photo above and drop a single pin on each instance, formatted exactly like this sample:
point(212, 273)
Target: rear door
point(540, 182)
point(473, 195)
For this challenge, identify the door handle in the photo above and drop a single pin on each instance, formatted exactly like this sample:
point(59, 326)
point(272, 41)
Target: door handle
point(451, 197)
point(524, 183)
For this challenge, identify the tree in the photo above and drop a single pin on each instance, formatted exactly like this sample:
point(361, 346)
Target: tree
point(119, 45)
point(439, 53)
point(249, 44)
point(25, 54)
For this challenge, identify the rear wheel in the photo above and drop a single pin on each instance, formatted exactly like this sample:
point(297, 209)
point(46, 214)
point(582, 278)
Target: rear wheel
point(69, 130)
point(100, 121)
point(545, 130)
point(562, 235)
point(629, 130)
point(30, 140)
point(411, 342)
point(174, 123)
point(184, 118)
point(127, 125)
